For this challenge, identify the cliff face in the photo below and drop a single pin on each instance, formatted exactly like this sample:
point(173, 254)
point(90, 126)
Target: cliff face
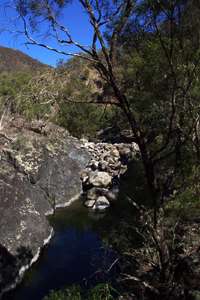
point(12, 60)
point(40, 168)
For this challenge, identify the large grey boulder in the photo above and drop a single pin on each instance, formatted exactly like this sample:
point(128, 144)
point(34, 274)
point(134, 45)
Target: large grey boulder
point(40, 167)
point(24, 228)
point(22, 210)
point(60, 177)
point(52, 162)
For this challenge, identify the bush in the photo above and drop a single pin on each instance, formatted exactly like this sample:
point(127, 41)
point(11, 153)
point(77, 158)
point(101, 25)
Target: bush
point(72, 293)
point(102, 291)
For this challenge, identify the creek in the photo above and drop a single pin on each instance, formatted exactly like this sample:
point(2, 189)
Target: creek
point(79, 251)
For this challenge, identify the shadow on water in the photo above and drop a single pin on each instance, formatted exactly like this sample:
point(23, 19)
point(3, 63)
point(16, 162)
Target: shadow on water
point(133, 185)
point(80, 250)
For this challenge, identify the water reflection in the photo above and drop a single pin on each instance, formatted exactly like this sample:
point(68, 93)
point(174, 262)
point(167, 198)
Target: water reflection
point(75, 255)
point(79, 252)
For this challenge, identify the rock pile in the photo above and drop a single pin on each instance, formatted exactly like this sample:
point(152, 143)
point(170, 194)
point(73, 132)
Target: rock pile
point(101, 176)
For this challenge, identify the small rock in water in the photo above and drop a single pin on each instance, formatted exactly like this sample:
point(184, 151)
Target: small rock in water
point(101, 203)
point(89, 203)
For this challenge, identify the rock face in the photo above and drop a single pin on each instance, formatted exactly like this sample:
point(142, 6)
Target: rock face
point(40, 168)
point(22, 211)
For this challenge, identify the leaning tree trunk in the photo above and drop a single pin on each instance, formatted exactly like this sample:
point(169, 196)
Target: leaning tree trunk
point(148, 165)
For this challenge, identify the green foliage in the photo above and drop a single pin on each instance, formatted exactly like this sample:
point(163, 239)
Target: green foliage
point(83, 119)
point(72, 293)
point(63, 96)
point(15, 62)
point(99, 292)
point(11, 84)
point(186, 203)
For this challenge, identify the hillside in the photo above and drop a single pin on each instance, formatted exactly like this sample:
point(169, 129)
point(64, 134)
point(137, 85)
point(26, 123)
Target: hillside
point(12, 60)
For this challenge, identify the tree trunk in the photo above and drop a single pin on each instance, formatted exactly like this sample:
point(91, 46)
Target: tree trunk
point(146, 161)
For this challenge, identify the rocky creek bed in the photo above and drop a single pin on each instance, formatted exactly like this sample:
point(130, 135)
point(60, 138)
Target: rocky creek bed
point(100, 179)
point(43, 168)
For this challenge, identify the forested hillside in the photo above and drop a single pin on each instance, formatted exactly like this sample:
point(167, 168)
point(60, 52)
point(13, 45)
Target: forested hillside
point(16, 71)
point(67, 95)
point(12, 60)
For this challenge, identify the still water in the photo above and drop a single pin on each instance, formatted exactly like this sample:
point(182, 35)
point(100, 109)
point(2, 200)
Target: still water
point(79, 252)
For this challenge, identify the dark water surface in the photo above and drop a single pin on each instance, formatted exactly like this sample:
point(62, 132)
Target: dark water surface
point(76, 253)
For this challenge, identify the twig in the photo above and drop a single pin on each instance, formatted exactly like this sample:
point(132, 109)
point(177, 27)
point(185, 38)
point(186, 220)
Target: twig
point(112, 265)
point(144, 283)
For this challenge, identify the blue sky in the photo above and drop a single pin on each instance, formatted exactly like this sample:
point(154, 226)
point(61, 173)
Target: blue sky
point(73, 17)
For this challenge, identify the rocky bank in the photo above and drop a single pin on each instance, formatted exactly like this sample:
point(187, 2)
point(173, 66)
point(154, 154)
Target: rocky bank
point(39, 171)
point(42, 168)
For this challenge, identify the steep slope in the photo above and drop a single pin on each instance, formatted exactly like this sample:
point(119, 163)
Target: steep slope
point(12, 60)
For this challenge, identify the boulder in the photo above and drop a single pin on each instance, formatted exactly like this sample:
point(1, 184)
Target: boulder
point(100, 179)
point(40, 166)
point(114, 152)
point(101, 203)
point(59, 178)
point(23, 225)
point(95, 192)
point(53, 163)
point(103, 165)
point(92, 193)
point(89, 203)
